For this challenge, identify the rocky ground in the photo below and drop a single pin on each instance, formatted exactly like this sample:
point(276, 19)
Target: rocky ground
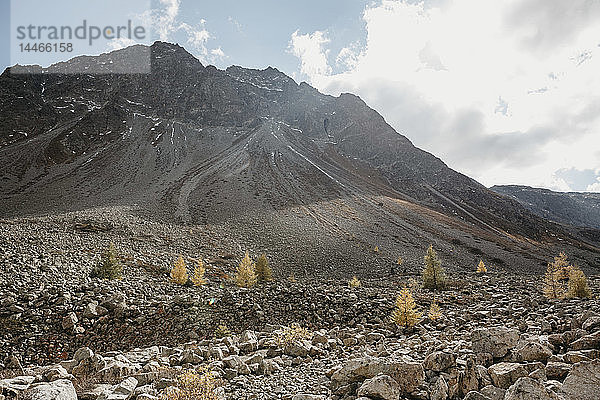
point(63, 333)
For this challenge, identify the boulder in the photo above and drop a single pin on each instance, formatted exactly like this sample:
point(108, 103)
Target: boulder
point(61, 389)
point(557, 370)
point(533, 351)
point(16, 385)
point(587, 342)
point(529, 389)
point(468, 380)
point(122, 391)
point(439, 389)
point(382, 387)
point(69, 321)
point(439, 361)
point(496, 341)
point(407, 373)
point(583, 382)
point(591, 324)
point(505, 374)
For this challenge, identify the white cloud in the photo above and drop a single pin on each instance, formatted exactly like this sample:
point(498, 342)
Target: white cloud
point(166, 21)
point(309, 49)
point(218, 52)
point(236, 24)
point(489, 86)
point(116, 44)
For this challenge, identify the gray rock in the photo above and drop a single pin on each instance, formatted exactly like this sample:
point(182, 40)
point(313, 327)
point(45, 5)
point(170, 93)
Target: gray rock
point(583, 382)
point(474, 395)
point(69, 321)
point(82, 353)
point(439, 389)
point(381, 387)
point(529, 389)
point(439, 361)
point(17, 384)
point(61, 389)
point(122, 391)
point(496, 341)
point(533, 351)
point(505, 374)
point(587, 342)
point(408, 374)
point(591, 324)
point(557, 370)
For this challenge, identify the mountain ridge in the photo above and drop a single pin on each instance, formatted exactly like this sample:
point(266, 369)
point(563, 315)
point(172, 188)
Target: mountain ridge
point(248, 148)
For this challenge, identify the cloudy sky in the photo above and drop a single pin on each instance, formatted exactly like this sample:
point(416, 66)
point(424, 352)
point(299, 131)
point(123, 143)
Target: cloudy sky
point(507, 92)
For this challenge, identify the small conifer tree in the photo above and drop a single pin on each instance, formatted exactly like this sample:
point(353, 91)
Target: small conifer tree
point(434, 276)
point(481, 267)
point(263, 270)
point(354, 282)
point(578, 285)
point(246, 273)
point(198, 278)
point(405, 314)
point(179, 273)
point(553, 287)
point(435, 312)
point(109, 267)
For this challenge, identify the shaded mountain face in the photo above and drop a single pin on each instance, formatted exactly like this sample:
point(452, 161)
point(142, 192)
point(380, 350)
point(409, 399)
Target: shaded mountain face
point(278, 165)
point(580, 210)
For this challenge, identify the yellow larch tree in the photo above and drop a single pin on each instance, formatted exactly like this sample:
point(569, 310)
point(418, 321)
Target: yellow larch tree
point(481, 268)
point(263, 270)
point(179, 273)
point(198, 278)
point(553, 287)
point(405, 313)
point(246, 272)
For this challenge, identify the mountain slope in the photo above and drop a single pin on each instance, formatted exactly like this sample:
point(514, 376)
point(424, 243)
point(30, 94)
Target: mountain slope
point(580, 210)
point(313, 179)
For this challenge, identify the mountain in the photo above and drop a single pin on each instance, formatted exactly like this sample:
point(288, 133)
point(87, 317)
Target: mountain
point(571, 208)
point(315, 180)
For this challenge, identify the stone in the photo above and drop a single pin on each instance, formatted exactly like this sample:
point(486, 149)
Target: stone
point(381, 387)
point(439, 389)
point(61, 389)
point(91, 310)
point(583, 382)
point(474, 395)
point(467, 380)
point(122, 391)
point(496, 341)
point(591, 324)
point(587, 342)
point(69, 321)
point(89, 366)
point(408, 374)
point(529, 389)
point(83, 353)
point(533, 351)
point(439, 361)
point(17, 384)
point(505, 374)
point(493, 392)
point(557, 370)
point(56, 372)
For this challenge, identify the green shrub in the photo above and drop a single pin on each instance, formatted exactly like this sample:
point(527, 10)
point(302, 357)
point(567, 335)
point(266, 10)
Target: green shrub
point(434, 276)
point(109, 266)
